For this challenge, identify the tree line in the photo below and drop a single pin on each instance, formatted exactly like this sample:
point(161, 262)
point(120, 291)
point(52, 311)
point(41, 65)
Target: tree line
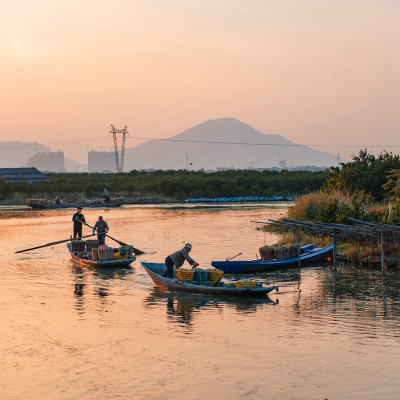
point(171, 184)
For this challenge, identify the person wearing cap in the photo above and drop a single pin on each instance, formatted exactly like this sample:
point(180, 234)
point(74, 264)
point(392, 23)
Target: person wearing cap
point(78, 219)
point(178, 258)
point(106, 196)
point(102, 228)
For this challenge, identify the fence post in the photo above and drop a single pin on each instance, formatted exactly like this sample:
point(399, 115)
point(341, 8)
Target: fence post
point(334, 250)
point(382, 251)
point(298, 247)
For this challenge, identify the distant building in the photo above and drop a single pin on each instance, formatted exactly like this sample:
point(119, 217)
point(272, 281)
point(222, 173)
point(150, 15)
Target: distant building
point(282, 164)
point(99, 161)
point(52, 161)
point(18, 175)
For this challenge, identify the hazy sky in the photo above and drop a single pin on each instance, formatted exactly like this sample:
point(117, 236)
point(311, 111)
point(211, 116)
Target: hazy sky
point(317, 72)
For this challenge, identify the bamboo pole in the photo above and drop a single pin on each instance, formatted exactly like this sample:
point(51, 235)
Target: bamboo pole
point(383, 251)
point(334, 250)
point(298, 247)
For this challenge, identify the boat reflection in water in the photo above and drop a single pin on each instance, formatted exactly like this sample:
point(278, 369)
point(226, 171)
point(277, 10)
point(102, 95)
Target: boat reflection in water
point(98, 280)
point(182, 307)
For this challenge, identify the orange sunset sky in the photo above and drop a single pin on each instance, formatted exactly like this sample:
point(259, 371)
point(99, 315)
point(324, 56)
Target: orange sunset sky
point(322, 73)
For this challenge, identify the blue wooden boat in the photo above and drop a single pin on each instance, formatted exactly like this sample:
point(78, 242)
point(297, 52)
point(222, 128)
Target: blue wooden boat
point(308, 254)
point(156, 270)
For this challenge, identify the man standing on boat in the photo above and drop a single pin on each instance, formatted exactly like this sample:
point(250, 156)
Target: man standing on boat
point(178, 258)
point(106, 196)
point(79, 220)
point(102, 228)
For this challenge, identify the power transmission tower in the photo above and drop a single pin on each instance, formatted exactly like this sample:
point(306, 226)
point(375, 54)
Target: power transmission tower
point(119, 161)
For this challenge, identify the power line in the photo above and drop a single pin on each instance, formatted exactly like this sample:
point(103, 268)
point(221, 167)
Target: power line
point(260, 144)
point(205, 142)
point(53, 143)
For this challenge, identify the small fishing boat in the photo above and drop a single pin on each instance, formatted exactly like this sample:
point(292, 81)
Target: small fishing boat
point(85, 258)
point(308, 254)
point(51, 205)
point(156, 270)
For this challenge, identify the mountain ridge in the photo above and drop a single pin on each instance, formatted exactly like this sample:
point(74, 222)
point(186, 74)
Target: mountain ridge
point(223, 142)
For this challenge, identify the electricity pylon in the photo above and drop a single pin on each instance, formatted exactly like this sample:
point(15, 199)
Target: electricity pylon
point(119, 160)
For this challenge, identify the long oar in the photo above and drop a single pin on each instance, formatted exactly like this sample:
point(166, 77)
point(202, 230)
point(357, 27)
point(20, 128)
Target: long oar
point(135, 250)
point(50, 244)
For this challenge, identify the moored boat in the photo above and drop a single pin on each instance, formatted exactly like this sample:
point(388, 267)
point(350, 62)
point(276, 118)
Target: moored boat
point(85, 258)
point(50, 205)
point(156, 270)
point(308, 254)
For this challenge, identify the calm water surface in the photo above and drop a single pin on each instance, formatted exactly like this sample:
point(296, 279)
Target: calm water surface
point(69, 332)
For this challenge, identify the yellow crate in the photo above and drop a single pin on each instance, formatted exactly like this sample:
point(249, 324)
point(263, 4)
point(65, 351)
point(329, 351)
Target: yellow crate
point(239, 284)
point(184, 274)
point(215, 274)
point(249, 283)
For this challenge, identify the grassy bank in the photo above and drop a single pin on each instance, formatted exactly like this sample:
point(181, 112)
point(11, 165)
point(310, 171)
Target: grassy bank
point(167, 185)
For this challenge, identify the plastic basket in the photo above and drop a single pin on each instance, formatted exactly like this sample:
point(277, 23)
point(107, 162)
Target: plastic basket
point(239, 284)
point(266, 253)
point(106, 254)
point(78, 245)
point(215, 274)
point(249, 283)
point(184, 274)
point(200, 275)
point(95, 254)
point(92, 244)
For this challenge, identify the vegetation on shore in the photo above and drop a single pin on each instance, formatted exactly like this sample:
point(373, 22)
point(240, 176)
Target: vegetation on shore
point(367, 188)
point(168, 185)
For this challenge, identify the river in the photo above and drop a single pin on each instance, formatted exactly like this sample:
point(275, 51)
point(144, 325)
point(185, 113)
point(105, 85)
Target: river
point(69, 332)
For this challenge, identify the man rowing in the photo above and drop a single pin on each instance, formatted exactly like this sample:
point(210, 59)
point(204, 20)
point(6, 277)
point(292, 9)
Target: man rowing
point(102, 228)
point(78, 219)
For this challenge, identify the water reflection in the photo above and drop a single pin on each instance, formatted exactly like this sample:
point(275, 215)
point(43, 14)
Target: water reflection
point(365, 300)
point(181, 308)
point(99, 278)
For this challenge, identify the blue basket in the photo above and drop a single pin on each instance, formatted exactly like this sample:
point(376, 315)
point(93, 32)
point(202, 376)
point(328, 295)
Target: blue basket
point(200, 275)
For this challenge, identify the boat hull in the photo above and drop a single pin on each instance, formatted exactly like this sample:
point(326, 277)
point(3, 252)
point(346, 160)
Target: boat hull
point(155, 271)
point(103, 264)
point(52, 206)
point(309, 254)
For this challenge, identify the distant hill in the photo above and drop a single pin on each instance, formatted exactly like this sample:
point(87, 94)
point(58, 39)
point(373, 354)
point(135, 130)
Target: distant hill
point(15, 154)
point(207, 146)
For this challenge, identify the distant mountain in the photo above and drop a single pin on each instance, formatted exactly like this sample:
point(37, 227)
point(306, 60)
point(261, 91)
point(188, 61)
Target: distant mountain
point(15, 154)
point(210, 145)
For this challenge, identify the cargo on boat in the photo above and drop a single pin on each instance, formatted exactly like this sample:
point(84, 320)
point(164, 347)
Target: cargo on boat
point(51, 205)
point(89, 253)
point(308, 254)
point(156, 271)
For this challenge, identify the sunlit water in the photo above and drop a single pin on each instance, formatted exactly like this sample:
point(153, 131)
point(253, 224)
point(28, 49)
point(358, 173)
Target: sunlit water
point(69, 332)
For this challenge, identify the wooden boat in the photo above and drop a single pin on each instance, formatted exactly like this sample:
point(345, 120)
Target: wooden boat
point(308, 254)
point(156, 270)
point(50, 205)
point(84, 259)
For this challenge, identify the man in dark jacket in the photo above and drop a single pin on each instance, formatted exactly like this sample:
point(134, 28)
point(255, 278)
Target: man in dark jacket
point(79, 220)
point(178, 258)
point(102, 228)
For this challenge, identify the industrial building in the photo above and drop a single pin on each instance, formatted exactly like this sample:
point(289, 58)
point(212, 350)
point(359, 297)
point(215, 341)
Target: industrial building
point(101, 161)
point(52, 161)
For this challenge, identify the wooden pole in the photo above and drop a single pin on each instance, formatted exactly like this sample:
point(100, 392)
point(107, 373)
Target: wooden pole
point(383, 251)
point(51, 244)
point(334, 250)
point(298, 247)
